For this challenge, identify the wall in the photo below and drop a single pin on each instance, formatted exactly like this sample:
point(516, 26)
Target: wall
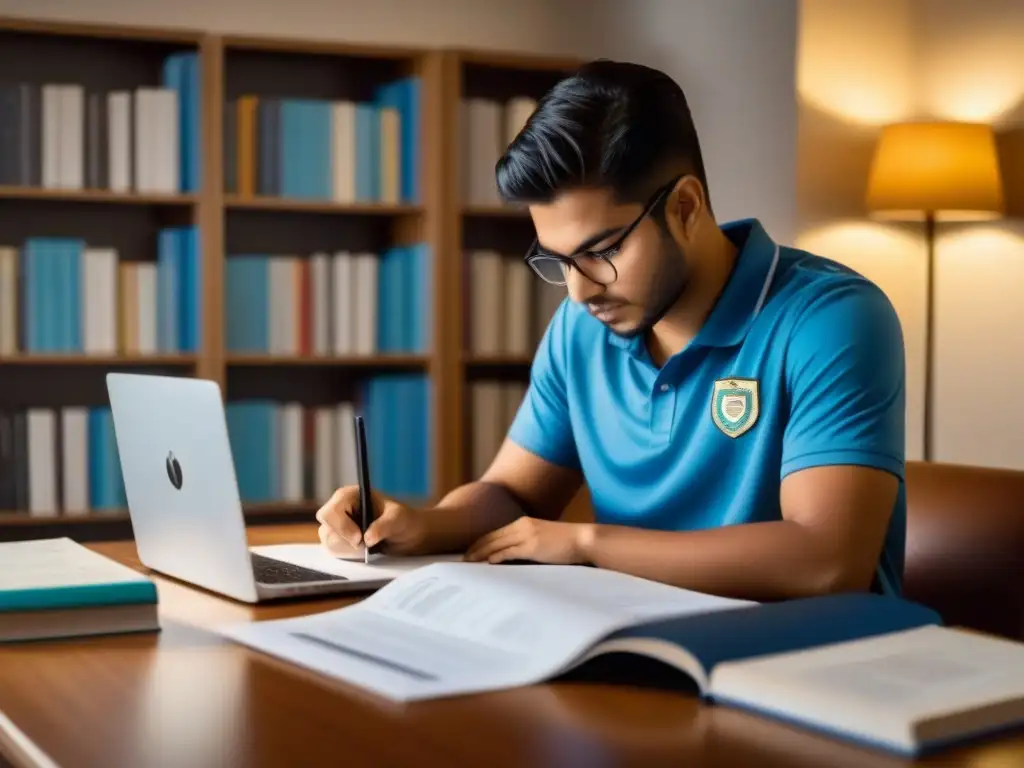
point(736, 61)
point(972, 68)
point(532, 25)
point(939, 59)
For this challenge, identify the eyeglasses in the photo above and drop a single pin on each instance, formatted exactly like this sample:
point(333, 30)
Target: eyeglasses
point(596, 266)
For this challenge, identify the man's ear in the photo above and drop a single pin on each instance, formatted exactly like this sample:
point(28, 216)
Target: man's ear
point(684, 207)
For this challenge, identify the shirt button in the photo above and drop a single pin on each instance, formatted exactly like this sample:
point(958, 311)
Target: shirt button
point(664, 387)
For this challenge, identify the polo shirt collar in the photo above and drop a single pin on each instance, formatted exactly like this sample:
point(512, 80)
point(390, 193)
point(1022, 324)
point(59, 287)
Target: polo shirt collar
point(730, 318)
point(733, 313)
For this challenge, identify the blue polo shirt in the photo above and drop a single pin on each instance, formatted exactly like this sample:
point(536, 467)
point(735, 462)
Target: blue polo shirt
point(799, 364)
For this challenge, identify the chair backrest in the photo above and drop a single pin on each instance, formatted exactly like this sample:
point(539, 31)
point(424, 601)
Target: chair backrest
point(965, 545)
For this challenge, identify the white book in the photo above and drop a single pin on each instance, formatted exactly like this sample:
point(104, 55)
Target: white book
point(320, 302)
point(71, 170)
point(483, 135)
point(166, 159)
point(8, 300)
point(907, 692)
point(518, 307)
point(58, 588)
point(120, 169)
point(50, 116)
point(343, 288)
point(147, 139)
point(99, 302)
point(75, 460)
point(454, 628)
point(343, 151)
point(366, 274)
point(42, 462)
point(488, 428)
point(290, 449)
point(487, 302)
point(346, 453)
point(324, 464)
point(873, 669)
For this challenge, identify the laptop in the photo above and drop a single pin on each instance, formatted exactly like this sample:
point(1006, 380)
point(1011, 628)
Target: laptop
point(184, 503)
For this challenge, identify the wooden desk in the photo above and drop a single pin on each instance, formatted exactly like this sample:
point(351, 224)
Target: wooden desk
point(186, 698)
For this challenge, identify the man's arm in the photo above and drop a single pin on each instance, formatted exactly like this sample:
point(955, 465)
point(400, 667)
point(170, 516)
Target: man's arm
point(834, 521)
point(517, 483)
point(841, 467)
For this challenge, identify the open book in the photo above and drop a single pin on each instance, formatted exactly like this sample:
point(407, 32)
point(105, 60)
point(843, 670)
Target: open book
point(877, 669)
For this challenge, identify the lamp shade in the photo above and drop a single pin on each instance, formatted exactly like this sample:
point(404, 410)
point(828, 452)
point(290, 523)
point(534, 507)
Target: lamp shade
point(947, 170)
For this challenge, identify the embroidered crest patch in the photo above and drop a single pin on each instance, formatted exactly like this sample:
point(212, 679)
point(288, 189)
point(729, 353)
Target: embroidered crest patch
point(735, 405)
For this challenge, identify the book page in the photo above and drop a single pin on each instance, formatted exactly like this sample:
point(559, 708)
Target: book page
point(882, 687)
point(451, 628)
point(57, 563)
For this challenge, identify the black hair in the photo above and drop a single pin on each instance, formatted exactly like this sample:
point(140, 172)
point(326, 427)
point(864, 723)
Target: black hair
point(613, 125)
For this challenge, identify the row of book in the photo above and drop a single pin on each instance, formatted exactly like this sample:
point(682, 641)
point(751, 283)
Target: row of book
point(290, 452)
point(61, 295)
point(493, 405)
point(59, 462)
point(488, 127)
point(508, 307)
point(326, 304)
point(340, 150)
point(59, 135)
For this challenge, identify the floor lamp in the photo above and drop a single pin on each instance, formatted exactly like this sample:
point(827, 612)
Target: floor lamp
point(934, 172)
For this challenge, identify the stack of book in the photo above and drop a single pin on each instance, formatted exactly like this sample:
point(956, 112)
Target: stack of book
point(59, 462)
point(316, 149)
point(146, 140)
point(62, 295)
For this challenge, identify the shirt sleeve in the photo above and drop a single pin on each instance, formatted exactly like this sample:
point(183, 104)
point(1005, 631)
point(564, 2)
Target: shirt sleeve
point(542, 424)
point(845, 374)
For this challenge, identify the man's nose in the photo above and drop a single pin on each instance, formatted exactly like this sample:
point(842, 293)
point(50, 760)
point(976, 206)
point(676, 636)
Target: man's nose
point(580, 287)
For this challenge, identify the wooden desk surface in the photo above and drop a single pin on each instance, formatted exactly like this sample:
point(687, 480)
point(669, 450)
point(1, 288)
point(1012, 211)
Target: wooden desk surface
point(185, 697)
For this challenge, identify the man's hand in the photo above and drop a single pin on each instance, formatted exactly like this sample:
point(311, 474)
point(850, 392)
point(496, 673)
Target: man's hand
point(400, 528)
point(528, 538)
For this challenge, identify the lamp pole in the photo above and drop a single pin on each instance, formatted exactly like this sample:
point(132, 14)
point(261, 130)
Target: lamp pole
point(929, 324)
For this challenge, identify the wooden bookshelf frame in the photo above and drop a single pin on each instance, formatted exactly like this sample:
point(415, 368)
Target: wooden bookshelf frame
point(436, 220)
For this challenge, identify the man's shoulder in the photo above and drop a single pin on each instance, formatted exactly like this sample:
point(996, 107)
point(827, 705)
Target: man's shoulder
point(813, 288)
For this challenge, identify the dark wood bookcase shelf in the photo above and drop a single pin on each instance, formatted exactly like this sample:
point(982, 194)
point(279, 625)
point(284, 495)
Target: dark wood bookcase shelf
point(232, 222)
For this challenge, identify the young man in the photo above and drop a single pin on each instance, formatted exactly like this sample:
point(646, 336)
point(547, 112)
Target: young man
point(736, 407)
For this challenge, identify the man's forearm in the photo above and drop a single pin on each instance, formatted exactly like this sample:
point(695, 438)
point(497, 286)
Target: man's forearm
point(467, 513)
point(754, 561)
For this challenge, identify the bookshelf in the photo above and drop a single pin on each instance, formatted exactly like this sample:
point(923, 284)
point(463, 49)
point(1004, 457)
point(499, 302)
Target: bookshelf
point(283, 233)
point(504, 307)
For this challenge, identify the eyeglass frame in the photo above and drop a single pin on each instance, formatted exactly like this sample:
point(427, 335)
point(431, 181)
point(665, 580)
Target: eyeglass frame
point(607, 253)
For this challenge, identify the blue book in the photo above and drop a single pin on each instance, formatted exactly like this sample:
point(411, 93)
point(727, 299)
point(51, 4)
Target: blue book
point(58, 588)
point(871, 669)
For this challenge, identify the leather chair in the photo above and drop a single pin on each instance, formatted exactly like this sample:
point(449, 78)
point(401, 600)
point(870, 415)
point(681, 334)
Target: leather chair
point(965, 545)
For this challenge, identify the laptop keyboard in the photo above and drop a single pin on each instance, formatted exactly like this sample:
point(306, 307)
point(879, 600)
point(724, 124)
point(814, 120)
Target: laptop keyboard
point(271, 571)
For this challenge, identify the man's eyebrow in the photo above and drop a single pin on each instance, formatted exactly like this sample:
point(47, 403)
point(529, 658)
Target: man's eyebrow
point(590, 241)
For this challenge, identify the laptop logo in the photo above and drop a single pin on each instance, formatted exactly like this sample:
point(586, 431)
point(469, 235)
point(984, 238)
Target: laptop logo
point(174, 470)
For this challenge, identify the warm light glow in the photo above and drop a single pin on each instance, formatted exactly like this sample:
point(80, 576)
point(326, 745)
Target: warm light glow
point(834, 75)
point(948, 170)
point(972, 66)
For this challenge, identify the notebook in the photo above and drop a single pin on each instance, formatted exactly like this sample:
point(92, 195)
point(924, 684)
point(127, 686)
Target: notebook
point(833, 663)
point(52, 588)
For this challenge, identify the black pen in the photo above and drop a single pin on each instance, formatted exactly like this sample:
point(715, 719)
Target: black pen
point(365, 493)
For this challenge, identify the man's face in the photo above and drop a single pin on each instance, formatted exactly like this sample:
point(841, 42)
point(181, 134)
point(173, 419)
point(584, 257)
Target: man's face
point(649, 266)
